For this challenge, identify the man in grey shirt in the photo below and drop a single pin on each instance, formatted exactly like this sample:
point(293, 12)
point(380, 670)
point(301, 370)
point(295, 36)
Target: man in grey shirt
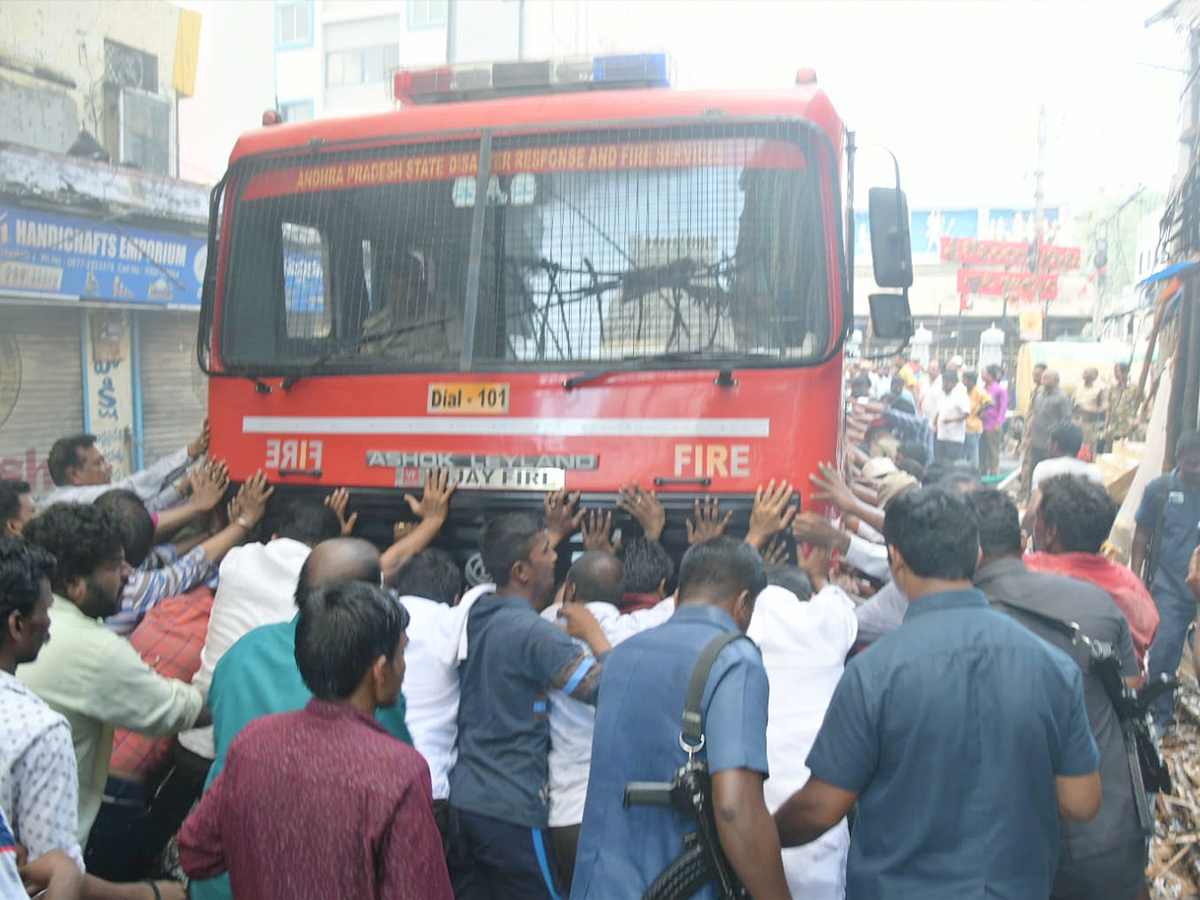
point(1104, 857)
point(81, 474)
point(1049, 407)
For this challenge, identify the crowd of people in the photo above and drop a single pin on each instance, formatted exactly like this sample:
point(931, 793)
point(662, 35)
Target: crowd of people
point(228, 686)
point(960, 413)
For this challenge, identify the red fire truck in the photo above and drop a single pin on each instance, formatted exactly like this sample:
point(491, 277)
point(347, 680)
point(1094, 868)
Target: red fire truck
point(540, 276)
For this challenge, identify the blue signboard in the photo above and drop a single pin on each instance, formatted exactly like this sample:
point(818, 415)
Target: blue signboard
point(44, 254)
point(1014, 224)
point(927, 227)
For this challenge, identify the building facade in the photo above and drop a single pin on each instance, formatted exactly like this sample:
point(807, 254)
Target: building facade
point(957, 317)
point(102, 247)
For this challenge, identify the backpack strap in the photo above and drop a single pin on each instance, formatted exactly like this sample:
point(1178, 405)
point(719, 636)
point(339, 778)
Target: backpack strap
point(1068, 630)
point(691, 737)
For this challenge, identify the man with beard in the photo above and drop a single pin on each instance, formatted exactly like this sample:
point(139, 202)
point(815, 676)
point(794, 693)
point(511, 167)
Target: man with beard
point(90, 675)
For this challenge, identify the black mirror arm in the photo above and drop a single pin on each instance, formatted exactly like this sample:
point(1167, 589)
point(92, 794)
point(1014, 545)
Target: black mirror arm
point(900, 217)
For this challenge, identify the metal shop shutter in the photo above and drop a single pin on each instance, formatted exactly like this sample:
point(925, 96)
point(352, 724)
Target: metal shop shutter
point(41, 388)
point(174, 390)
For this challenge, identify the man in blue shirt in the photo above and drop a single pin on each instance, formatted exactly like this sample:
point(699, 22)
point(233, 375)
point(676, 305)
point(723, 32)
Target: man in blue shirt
point(1174, 499)
point(962, 736)
point(499, 798)
point(638, 720)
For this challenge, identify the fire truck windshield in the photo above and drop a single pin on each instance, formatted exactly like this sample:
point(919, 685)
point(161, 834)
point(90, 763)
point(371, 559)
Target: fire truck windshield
point(696, 242)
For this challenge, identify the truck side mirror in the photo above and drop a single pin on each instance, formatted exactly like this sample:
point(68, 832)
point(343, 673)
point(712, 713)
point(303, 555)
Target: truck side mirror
point(891, 318)
point(891, 243)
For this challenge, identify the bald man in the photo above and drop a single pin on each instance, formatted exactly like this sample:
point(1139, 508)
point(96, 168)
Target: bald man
point(595, 579)
point(1051, 406)
point(258, 675)
point(1090, 407)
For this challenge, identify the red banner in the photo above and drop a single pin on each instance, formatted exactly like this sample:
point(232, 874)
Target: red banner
point(974, 252)
point(997, 284)
point(405, 169)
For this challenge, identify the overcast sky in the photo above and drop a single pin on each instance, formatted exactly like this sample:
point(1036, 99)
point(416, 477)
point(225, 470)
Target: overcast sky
point(953, 87)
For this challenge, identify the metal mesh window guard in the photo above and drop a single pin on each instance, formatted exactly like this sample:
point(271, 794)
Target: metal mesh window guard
point(600, 246)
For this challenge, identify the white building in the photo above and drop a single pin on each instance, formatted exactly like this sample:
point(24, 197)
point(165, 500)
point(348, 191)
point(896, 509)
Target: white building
point(318, 58)
point(102, 248)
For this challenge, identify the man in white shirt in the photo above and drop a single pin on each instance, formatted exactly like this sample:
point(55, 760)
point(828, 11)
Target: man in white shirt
point(595, 579)
point(81, 473)
point(950, 421)
point(1066, 440)
point(430, 585)
point(930, 391)
point(804, 642)
point(39, 784)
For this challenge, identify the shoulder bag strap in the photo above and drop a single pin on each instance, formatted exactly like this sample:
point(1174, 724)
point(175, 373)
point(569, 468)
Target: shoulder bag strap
point(693, 717)
point(1068, 630)
point(1150, 561)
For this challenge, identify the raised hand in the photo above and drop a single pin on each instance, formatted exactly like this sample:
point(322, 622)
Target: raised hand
point(645, 507)
point(435, 501)
point(771, 513)
point(562, 516)
point(833, 488)
point(252, 498)
point(597, 533)
point(812, 528)
point(815, 561)
point(775, 551)
point(707, 523)
point(209, 482)
point(199, 446)
point(338, 501)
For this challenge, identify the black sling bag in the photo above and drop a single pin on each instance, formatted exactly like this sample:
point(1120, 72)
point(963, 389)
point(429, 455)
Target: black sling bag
point(690, 793)
point(1146, 765)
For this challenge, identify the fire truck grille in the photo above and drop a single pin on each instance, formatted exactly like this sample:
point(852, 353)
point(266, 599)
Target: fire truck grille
point(685, 243)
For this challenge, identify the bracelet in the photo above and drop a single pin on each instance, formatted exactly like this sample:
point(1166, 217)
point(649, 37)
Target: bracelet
point(153, 887)
point(240, 520)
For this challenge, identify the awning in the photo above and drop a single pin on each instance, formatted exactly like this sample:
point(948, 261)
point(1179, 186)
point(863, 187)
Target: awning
point(1173, 269)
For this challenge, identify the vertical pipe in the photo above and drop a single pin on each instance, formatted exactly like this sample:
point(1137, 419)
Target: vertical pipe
point(475, 257)
point(135, 378)
point(451, 30)
point(1179, 367)
point(521, 29)
point(1191, 393)
point(851, 234)
point(84, 337)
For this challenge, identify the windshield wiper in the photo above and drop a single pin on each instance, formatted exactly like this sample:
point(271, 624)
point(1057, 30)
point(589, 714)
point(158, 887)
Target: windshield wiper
point(314, 368)
point(355, 349)
point(724, 367)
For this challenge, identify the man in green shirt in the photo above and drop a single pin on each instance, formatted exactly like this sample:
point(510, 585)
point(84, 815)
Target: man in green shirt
point(87, 673)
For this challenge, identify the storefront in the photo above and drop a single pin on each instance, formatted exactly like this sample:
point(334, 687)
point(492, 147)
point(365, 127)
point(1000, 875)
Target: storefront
point(97, 333)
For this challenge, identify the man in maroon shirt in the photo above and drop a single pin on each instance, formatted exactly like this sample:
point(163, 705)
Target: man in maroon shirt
point(323, 804)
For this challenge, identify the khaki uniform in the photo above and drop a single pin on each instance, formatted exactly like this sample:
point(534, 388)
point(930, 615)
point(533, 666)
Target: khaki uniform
point(1090, 411)
point(1122, 408)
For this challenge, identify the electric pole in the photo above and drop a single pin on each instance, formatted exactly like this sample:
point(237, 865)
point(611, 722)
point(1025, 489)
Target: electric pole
point(1039, 215)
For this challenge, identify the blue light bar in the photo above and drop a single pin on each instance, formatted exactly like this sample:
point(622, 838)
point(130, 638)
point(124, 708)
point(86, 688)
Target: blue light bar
point(650, 69)
point(482, 81)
